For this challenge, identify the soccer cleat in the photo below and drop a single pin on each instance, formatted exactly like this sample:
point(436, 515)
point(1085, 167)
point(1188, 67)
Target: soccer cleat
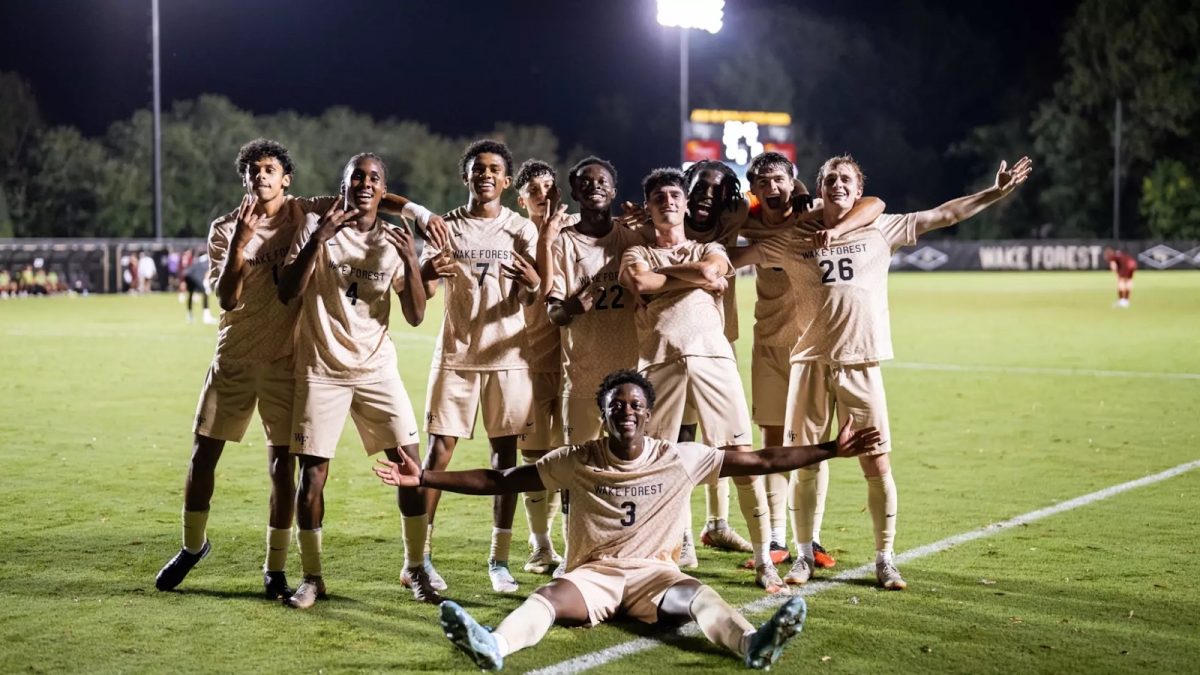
point(307, 594)
point(502, 579)
point(687, 553)
point(275, 586)
point(779, 556)
point(889, 577)
point(542, 561)
point(435, 579)
point(417, 578)
point(821, 558)
point(801, 571)
point(724, 538)
point(767, 577)
point(172, 574)
point(560, 570)
point(767, 643)
point(466, 634)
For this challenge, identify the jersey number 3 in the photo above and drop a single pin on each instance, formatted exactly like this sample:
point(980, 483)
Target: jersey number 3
point(844, 271)
point(630, 513)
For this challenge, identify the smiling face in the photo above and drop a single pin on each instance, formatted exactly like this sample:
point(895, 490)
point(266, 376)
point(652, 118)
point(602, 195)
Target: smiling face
point(703, 195)
point(487, 176)
point(667, 205)
point(626, 413)
point(363, 186)
point(594, 188)
point(773, 188)
point(265, 178)
point(535, 195)
point(841, 185)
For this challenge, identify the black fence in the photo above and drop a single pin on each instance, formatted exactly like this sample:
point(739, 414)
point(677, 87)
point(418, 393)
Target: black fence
point(1042, 255)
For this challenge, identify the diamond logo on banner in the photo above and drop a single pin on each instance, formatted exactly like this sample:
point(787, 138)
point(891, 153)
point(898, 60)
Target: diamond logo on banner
point(927, 258)
point(1161, 256)
point(1193, 256)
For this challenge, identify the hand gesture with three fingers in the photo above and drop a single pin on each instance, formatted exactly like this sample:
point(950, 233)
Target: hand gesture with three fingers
point(632, 216)
point(521, 271)
point(336, 218)
point(247, 220)
point(402, 240)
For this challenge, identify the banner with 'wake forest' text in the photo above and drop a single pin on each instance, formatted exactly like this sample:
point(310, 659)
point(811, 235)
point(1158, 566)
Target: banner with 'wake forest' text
point(1042, 255)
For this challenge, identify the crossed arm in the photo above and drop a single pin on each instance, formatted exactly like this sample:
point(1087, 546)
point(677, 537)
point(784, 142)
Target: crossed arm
point(706, 273)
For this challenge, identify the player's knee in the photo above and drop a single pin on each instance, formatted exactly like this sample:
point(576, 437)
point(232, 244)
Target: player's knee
point(565, 601)
point(676, 604)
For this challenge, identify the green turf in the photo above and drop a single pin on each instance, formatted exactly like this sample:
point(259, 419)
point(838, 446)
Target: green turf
point(94, 439)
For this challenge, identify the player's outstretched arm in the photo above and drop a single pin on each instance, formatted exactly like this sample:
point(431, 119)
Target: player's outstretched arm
point(430, 225)
point(294, 276)
point(958, 210)
point(785, 458)
point(408, 474)
point(233, 267)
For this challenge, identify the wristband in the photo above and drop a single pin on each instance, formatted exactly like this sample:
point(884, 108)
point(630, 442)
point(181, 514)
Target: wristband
point(418, 213)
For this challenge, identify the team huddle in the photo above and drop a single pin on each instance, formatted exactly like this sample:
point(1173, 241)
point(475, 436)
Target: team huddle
point(591, 343)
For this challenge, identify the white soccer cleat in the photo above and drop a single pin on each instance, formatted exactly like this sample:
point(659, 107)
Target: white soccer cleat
point(687, 554)
point(542, 561)
point(502, 579)
point(889, 577)
point(801, 571)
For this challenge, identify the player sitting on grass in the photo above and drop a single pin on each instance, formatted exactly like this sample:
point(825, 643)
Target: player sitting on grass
point(627, 494)
point(842, 309)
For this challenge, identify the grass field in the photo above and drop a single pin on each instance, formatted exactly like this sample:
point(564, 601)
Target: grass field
point(1010, 393)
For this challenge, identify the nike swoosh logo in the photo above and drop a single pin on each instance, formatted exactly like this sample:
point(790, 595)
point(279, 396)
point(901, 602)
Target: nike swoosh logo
point(889, 515)
point(412, 433)
point(739, 435)
point(529, 424)
point(534, 501)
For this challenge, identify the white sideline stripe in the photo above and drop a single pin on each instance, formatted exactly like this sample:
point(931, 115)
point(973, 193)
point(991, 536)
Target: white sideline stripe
point(1026, 370)
point(610, 654)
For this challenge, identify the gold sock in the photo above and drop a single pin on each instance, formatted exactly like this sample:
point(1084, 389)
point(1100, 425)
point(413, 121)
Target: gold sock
point(882, 503)
point(716, 501)
point(278, 541)
point(194, 530)
point(752, 499)
point(719, 622)
point(777, 489)
point(525, 626)
point(310, 551)
point(501, 542)
point(537, 511)
point(820, 489)
point(428, 537)
point(412, 531)
point(804, 494)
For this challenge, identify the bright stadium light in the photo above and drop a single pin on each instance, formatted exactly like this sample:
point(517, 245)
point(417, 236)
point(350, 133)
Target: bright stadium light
point(688, 14)
point(699, 14)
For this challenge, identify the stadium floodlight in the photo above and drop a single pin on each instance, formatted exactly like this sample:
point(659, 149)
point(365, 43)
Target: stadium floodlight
point(689, 14)
point(699, 14)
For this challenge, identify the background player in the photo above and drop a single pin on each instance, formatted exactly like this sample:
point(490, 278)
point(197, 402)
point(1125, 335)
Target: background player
point(842, 305)
point(1124, 265)
point(481, 356)
point(629, 490)
point(194, 276)
point(344, 267)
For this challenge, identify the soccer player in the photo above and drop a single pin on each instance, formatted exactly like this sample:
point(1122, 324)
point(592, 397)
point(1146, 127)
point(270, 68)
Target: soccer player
point(537, 194)
point(194, 276)
point(683, 350)
point(344, 266)
point(842, 310)
point(1124, 265)
point(628, 491)
point(481, 356)
point(773, 230)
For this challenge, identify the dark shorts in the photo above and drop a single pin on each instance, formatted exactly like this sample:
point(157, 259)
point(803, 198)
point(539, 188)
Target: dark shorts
point(193, 286)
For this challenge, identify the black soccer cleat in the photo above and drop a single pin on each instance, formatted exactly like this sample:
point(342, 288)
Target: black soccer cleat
point(173, 573)
point(275, 586)
point(767, 643)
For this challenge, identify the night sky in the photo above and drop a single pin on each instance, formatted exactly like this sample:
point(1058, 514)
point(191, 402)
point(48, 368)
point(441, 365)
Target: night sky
point(457, 66)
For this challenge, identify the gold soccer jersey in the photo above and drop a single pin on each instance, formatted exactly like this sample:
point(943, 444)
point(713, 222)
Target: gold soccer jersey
point(545, 346)
point(729, 226)
point(260, 328)
point(604, 339)
point(343, 333)
point(775, 320)
point(627, 511)
point(484, 322)
point(673, 324)
point(841, 294)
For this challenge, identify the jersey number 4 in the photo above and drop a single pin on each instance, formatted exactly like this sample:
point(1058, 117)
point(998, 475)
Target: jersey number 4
point(352, 293)
point(844, 271)
point(630, 513)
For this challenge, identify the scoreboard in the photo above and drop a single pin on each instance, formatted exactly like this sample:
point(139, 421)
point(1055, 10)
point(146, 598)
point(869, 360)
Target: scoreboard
point(736, 136)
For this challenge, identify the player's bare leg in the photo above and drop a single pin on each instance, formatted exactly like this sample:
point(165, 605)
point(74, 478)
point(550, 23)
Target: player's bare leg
point(414, 525)
point(540, 509)
point(882, 503)
point(310, 513)
point(197, 493)
point(504, 507)
point(281, 467)
point(441, 451)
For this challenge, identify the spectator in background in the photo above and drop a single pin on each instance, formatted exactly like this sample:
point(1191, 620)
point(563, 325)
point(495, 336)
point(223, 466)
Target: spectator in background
point(8, 287)
point(1124, 265)
point(129, 266)
point(174, 270)
point(195, 280)
point(147, 271)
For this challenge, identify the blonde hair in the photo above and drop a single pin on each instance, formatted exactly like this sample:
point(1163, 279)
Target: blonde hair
point(833, 163)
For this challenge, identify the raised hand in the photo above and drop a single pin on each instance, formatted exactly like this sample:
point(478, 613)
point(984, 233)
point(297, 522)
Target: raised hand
point(521, 271)
point(633, 216)
point(402, 240)
point(1008, 179)
point(437, 232)
point(335, 218)
point(853, 443)
point(404, 474)
point(247, 220)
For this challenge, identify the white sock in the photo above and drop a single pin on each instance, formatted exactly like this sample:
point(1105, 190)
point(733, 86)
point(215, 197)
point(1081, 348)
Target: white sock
point(779, 535)
point(762, 553)
point(806, 550)
point(883, 557)
point(541, 541)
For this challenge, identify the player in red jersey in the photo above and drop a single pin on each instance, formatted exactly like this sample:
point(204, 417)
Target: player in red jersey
point(1124, 265)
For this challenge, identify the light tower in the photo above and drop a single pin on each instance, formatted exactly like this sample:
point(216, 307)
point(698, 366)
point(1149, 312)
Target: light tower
point(689, 14)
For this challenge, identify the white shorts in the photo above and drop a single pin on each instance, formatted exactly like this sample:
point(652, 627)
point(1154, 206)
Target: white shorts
point(454, 396)
point(381, 411)
point(710, 385)
point(229, 395)
point(817, 391)
point(546, 432)
point(634, 590)
point(769, 371)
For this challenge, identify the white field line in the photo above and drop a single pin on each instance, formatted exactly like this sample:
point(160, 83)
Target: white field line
point(619, 651)
point(1026, 370)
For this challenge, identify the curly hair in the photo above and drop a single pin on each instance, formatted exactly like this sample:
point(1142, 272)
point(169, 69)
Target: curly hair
point(769, 160)
point(693, 173)
point(619, 377)
point(573, 174)
point(260, 148)
point(533, 168)
point(660, 177)
point(486, 145)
